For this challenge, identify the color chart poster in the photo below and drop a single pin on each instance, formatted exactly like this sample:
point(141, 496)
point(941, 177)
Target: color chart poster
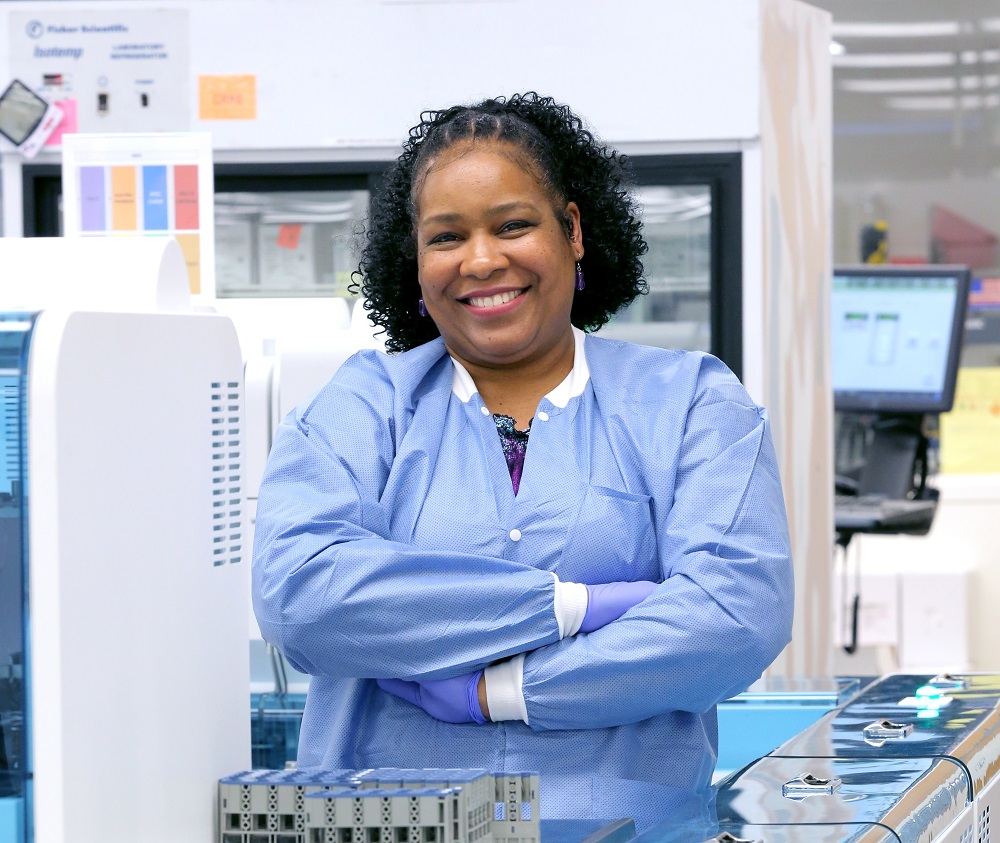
point(144, 185)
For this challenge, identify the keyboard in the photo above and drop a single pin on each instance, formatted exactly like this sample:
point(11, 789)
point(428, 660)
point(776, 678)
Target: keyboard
point(874, 513)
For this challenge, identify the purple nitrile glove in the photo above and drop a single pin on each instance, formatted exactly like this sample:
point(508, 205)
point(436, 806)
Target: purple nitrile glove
point(609, 601)
point(454, 700)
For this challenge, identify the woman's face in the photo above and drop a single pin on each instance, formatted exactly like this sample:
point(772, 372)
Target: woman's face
point(495, 263)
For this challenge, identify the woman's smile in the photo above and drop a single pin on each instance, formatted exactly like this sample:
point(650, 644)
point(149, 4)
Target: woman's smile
point(496, 300)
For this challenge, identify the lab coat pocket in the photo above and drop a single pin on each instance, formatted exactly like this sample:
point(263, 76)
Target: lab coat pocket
point(612, 539)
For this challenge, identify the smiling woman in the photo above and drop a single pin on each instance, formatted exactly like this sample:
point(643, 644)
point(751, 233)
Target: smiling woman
point(508, 542)
point(496, 269)
point(567, 164)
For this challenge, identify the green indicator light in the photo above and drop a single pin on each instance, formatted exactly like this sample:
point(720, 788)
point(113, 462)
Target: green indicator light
point(928, 691)
point(927, 713)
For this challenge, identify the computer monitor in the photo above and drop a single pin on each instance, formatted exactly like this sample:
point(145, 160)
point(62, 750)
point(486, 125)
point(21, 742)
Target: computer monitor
point(897, 335)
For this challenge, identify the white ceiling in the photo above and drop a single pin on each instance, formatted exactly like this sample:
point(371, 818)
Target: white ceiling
point(916, 88)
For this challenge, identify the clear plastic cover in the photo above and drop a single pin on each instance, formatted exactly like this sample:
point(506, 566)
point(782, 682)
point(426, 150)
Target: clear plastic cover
point(21, 110)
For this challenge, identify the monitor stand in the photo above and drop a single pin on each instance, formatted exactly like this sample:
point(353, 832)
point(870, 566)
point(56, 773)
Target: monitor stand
point(895, 457)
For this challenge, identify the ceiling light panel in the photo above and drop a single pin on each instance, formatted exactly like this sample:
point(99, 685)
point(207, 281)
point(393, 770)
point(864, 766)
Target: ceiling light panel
point(899, 29)
point(974, 83)
point(980, 56)
point(927, 85)
point(966, 103)
point(936, 85)
point(881, 60)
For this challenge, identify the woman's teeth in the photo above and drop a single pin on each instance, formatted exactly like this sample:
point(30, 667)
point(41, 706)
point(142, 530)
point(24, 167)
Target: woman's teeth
point(494, 301)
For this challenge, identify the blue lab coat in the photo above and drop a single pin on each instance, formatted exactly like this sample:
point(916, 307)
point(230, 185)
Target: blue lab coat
point(384, 548)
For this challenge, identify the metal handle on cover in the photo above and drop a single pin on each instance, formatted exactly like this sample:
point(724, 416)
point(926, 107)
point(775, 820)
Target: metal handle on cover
point(726, 837)
point(810, 785)
point(947, 680)
point(883, 730)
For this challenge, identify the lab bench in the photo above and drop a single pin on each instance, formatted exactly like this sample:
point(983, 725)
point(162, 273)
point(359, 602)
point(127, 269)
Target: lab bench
point(751, 724)
point(905, 758)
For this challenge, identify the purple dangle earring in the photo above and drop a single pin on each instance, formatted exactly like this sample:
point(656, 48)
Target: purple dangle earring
point(579, 277)
point(422, 308)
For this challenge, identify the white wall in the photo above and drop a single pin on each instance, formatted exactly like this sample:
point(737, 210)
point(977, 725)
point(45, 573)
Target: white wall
point(357, 72)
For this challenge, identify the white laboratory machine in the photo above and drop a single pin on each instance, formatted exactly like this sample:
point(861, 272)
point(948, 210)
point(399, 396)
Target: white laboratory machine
point(123, 570)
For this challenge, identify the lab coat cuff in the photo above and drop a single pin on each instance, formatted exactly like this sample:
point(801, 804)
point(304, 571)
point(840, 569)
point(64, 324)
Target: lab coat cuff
point(570, 606)
point(504, 692)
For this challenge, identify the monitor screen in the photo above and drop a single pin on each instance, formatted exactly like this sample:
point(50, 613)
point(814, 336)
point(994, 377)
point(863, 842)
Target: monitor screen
point(897, 335)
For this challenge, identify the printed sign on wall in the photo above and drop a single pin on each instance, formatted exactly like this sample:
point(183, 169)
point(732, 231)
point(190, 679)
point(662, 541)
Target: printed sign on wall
point(227, 97)
point(144, 185)
point(970, 433)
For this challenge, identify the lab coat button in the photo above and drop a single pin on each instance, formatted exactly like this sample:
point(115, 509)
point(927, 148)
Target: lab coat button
point(543, 416)
point(515, 535)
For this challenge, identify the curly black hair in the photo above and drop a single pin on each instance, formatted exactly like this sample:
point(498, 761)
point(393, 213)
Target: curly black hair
point(569, 161)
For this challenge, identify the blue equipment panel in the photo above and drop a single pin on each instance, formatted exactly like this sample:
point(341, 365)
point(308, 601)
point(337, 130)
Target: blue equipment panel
point(275, 720)
point(754, 723)
point(15, 749)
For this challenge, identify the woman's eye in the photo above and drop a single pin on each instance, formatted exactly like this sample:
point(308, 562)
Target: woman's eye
point(514, 225)
point(444, 237)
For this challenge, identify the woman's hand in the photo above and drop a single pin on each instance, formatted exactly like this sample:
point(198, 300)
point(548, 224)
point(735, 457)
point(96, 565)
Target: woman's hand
point(454, 700)
point(609, 601)
point(462, 699)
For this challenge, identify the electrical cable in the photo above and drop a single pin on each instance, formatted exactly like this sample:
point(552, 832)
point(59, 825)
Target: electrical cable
point(850, 617)
point(278, 668)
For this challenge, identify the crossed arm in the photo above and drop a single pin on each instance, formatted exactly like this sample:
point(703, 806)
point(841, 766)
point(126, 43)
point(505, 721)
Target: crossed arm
point(325, 569)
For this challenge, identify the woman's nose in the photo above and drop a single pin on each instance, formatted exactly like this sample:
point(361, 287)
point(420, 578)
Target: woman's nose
point(483, 256)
